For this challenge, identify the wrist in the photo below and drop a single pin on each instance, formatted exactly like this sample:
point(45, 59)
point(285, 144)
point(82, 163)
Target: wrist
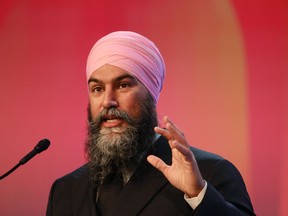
point(196, 190)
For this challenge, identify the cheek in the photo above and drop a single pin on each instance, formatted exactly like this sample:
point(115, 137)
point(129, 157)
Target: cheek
point(94, 108)
point(132, 105)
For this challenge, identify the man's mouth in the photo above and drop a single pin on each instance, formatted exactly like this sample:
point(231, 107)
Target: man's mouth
point(111, 121)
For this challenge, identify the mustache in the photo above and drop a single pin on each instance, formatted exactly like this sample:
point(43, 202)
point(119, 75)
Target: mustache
point(113, 113)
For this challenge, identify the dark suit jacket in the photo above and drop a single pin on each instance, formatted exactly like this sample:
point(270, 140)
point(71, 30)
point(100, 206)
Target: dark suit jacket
point(148, 192)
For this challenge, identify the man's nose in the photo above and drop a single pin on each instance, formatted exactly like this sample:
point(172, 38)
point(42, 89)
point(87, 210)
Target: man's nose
point(109, 99)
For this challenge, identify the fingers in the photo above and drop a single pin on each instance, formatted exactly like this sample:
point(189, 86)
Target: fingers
point(157, 163)
point(171, 132)
point(164, 132)
point(169, 123)
point(183, 150)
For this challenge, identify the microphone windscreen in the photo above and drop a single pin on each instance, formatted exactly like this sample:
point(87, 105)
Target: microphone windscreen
point(42, 145)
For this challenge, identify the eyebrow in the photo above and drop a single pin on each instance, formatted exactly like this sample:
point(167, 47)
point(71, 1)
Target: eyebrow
point(117, 79)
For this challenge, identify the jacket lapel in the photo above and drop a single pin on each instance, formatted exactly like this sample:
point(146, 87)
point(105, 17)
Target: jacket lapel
point(145, 183)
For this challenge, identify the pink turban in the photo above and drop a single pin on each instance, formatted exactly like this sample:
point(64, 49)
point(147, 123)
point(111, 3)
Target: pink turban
point(132, 52)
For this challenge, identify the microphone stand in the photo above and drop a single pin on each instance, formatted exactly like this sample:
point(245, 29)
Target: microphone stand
point(41, 146)
point(10, 171)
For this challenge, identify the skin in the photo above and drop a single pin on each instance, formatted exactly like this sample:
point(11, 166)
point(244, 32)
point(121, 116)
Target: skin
point(183, 173)
point(111, 86)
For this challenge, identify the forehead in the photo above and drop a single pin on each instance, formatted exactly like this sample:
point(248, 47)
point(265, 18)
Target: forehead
point(110, 72)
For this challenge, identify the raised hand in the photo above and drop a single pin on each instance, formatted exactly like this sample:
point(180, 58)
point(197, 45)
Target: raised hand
point(183, 173)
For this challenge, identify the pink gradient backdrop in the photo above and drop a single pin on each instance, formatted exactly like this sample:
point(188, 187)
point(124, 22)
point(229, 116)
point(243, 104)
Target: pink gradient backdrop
point(226, 86)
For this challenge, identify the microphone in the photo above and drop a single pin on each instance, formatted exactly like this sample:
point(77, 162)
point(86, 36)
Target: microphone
point(41, 146)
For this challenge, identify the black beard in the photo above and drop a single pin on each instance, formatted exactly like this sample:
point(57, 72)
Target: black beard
point(117, 152)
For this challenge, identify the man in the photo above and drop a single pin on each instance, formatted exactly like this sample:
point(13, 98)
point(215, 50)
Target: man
point(135, 167)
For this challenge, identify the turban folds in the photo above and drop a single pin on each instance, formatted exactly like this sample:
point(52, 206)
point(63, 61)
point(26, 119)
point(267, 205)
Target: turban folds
point(132, 52)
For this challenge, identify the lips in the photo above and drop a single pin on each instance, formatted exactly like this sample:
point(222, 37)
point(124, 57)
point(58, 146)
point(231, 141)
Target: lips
point(109, 118)
point(111, 121)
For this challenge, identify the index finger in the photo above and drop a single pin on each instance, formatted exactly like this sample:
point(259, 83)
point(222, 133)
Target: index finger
point(174, 130)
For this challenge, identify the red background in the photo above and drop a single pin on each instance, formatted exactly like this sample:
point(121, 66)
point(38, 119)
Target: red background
point(226, 86)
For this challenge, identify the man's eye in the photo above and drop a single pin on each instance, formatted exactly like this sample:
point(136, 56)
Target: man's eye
point(97, 89)
point(123, 85)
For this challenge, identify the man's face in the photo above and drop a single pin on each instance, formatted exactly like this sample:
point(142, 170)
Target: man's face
point(111, 86)
point(122, 117)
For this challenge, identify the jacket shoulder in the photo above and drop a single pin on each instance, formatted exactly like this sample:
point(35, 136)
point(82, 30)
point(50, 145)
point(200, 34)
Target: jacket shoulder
point(76, 175)
point(202, 155)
